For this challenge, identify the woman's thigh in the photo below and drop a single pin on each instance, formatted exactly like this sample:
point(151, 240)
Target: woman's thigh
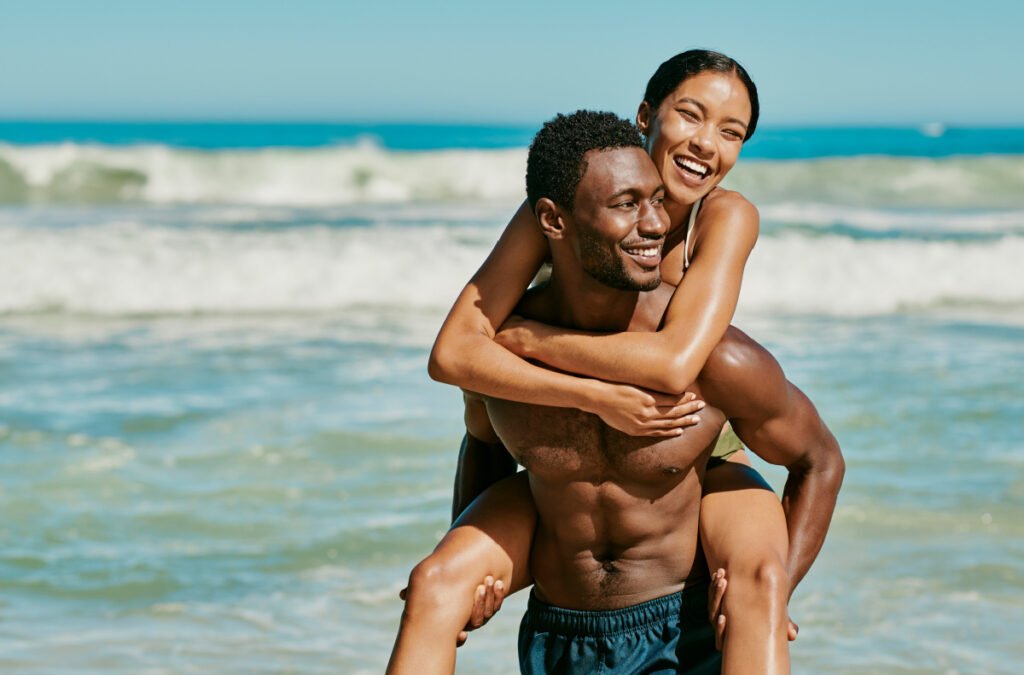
point(741, 518)
point(493, 536)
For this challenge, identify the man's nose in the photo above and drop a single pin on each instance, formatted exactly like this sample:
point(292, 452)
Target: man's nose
point(653, 220)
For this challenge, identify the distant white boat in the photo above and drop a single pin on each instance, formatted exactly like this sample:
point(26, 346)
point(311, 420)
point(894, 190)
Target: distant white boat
point(933, 129)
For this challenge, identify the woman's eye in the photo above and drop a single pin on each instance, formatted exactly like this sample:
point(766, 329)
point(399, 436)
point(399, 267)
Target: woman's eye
point(689, 114)
point(731, 133)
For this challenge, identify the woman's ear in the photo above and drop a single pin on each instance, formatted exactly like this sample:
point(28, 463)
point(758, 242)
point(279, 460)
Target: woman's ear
point(550, 217)
point(643, 117)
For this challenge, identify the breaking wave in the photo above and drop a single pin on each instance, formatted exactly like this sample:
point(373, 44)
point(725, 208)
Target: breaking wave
point(123, 269)
point(367, 174)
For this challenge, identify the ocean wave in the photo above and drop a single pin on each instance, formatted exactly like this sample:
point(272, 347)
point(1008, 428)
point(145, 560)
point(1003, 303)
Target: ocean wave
point(367, 174)
point(274, 176)
point(908, 222)
point(130, 269)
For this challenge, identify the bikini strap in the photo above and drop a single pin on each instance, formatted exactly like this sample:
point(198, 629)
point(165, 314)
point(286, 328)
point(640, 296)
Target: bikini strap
point(689, 231)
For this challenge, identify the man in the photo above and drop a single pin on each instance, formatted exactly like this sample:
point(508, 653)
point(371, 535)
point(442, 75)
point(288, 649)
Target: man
point(619, 583)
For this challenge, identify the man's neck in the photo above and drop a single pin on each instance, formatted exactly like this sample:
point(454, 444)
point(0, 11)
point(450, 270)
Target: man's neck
point(580, 301)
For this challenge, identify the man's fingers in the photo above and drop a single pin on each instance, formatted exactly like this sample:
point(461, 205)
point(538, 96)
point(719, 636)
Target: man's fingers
point(402, 593)
point(499, 594)
point(719, 631)
point(461, 639)
point(476, 618)
point(488, 599)
point(794, 630)
point(716, 592)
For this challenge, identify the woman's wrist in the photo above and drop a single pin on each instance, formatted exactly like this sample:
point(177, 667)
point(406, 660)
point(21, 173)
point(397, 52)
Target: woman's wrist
point(591, 395)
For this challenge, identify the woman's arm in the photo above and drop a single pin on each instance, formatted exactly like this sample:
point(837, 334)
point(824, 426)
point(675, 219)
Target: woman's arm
point(466, 355)
point(697, 316)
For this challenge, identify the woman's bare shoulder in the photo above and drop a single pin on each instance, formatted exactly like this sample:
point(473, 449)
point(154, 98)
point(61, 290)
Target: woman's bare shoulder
point(721, 201)
point(728, 216)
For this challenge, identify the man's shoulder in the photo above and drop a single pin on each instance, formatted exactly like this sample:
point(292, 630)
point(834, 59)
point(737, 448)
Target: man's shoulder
point(741, 375)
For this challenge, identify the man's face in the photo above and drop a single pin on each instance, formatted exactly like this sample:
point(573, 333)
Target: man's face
point(619, 220)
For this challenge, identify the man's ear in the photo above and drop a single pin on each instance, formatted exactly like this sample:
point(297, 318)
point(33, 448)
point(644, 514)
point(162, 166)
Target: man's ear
point(643, 118)
point(551, 218)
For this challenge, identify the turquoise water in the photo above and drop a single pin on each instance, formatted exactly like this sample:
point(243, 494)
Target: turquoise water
point(221, 453)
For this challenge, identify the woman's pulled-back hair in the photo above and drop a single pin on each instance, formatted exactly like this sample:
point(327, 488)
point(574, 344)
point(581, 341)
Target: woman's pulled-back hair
point(682, 67)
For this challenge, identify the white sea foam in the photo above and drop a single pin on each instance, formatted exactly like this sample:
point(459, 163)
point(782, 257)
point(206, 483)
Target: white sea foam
point(334, 175)
point(881, 220)
point(123, 269)
point(843, 276)
point(364, 173)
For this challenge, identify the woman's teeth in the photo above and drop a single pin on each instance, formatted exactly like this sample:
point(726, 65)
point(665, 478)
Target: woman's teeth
point(693, 166)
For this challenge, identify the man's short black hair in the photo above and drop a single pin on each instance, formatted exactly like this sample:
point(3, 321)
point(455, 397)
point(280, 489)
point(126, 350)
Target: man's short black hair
point(555, 164)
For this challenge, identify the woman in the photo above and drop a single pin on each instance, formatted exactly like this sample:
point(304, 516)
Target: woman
point(698, 109)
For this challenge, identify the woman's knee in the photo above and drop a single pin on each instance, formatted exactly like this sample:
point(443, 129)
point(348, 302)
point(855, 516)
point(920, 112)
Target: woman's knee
point(760, 580)
point(433, 582)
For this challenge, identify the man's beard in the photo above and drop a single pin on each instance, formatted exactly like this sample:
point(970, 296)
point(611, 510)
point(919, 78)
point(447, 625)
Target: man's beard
point(604, 266)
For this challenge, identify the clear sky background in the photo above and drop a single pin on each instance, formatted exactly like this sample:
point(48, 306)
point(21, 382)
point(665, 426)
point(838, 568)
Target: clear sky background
point(868, 62)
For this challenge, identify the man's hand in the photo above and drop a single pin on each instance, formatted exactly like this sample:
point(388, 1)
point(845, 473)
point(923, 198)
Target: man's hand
point(716, 615)
point(487, 601)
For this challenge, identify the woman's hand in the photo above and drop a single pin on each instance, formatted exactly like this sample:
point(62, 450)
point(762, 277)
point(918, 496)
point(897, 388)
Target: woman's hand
point(518, 334)
point(641, 412)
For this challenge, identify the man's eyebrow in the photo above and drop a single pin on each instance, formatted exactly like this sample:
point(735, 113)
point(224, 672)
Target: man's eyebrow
point(630, 191)
point(734, 120)
point(635, 191)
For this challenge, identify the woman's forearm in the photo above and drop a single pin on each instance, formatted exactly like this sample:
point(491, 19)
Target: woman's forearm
point(469, 358)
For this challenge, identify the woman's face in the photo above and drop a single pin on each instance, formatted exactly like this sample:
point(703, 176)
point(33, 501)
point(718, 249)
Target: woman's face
point(695, 135)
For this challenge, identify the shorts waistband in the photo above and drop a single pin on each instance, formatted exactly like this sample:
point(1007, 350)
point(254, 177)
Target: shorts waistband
point(545, 617)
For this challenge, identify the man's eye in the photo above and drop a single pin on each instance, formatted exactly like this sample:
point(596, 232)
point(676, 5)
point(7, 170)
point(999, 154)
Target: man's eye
point(625, 205)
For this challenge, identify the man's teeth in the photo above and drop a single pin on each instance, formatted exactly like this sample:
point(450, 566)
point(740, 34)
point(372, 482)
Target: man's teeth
point(644, 252)
point(693, 166)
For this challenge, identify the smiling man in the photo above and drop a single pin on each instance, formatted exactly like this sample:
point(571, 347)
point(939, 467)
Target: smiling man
point(619, 581)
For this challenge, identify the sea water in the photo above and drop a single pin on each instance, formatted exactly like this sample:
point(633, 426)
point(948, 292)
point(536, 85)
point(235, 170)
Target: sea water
point(220, 450)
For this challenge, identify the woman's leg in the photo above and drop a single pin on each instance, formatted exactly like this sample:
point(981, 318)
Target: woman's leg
point(491, 538)
point(743, 531)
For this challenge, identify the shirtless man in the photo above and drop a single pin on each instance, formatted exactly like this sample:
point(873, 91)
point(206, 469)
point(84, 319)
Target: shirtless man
point(619, 582)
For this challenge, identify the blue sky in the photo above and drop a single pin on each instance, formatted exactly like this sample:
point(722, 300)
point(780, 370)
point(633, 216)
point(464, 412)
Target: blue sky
point(867, 62)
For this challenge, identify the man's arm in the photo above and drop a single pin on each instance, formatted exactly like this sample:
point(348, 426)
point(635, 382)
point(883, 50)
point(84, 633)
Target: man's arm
point(779, 423)
point(483, 459)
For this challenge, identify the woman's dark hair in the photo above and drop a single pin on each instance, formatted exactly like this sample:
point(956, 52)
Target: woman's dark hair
point(682, 67)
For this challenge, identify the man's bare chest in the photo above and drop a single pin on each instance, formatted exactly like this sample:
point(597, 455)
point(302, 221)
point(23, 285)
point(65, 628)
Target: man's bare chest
point(564, 444)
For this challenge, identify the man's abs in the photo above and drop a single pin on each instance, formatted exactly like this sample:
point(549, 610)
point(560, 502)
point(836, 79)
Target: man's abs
point(617, 514)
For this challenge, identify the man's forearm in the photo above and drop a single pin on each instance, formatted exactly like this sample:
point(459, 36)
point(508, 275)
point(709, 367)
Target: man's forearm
point(808, 499)
point(481, 464)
